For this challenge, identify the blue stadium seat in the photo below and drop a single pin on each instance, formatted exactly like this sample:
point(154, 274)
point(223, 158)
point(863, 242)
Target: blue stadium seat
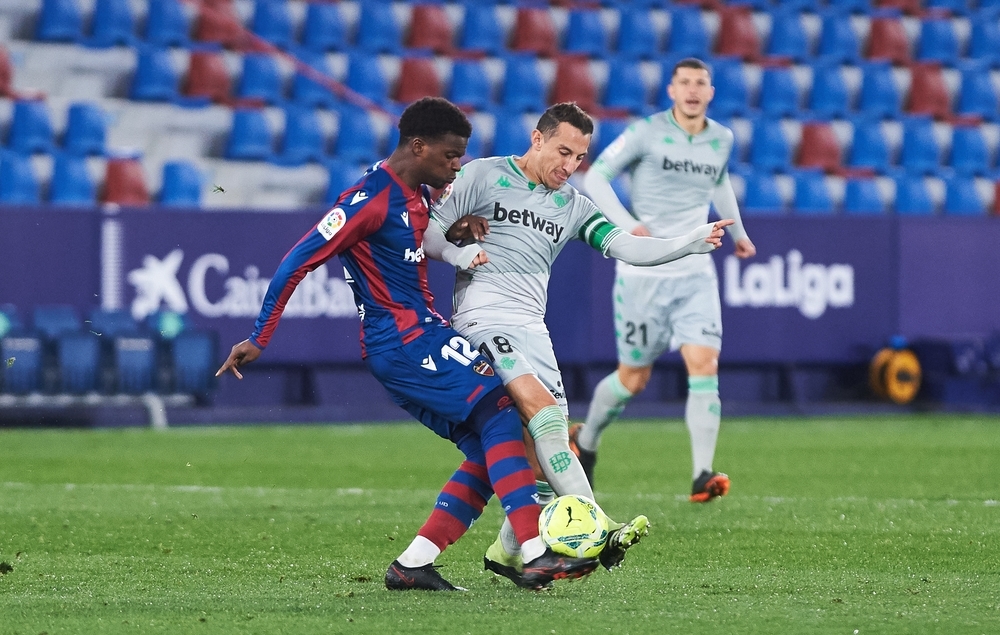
point(828, 97)
point(378, 31)
point(637, 33)
point(59, 21)
point(30, 128)
point(272, 22)
point(938, 41)
point(135, 364)
point(837, 40)
point(155, 77)
point(71, 182)
point(111, 323)
point(732, 95)
point(869, 148)
point(261, 79)
point(356, 139)
point(957, 7)
point(812, 196)
point(79, 357)
point(470, 85)
point(977, 96)
point(512, 135)
point(961, 197)
point(779, 94)
point(688, 35)
point(879, 95)
point(306, 91)
point(194, 358)
point(920, 153)
point(861, 196)
point(585, 33)
point(608, 130)
point(18, 183)
point(523, 88)
point(625, 88)
point(112, 23)
point(24, 374)
point(761, 195)
point(984, 39)
point(323, 29)
point(86, 129)
point(788, 36)
point(969, 154)
point(365, 77)
point(167, 23)
point(482, 29)
point(182, 183)
point(912, 196)
point(303, 140)
point(53, 320)
point(250, 138)
point(769, 149)
point(342, 176)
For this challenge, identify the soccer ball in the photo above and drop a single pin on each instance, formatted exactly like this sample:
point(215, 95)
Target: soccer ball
point(574, 526)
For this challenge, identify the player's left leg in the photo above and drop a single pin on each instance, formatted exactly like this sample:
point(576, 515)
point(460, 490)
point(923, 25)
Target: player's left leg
point(703, 416)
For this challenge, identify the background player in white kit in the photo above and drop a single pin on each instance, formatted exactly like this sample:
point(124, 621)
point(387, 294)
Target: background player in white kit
point(532, 213)
point(678, 162)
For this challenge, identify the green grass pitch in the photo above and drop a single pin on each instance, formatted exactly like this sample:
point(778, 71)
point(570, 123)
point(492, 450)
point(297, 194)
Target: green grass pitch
point(833, 525)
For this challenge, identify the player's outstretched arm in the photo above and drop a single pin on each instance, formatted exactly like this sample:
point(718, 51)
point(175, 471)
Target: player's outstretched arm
point(438, 247)
point(644, 252)
point(241, 355)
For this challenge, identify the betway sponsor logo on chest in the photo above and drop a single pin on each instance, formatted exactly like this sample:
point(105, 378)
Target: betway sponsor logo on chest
point(787, 282)
point(528, 218)
point(688, 165)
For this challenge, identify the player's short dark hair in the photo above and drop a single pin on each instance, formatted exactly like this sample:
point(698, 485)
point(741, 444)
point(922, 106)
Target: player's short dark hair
point(432, 118)
point(692, 62)
point(566, 112)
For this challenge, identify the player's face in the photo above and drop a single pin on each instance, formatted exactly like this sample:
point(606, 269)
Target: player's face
point(692, 91)
point(441, 159)
point(560, 155)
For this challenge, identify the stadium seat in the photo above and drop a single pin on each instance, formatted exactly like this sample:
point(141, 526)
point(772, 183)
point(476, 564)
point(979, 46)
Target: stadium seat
point(788, 37)
point(430, 29)
point(25, 374)
point(961, 197)
point(135, 364)
point(984, 39)
point(737, 35)
point(928, 93)
point(869, 147)
point(523, 87)
point(779, 94)
point(879, 95)
point(18, 183)
point(476, 148)
point(761, 195)
point(838, 42)
point(272, 22)
point(977, 96)
point(637, 35)
point(938, 41)
point(342, 176)
point(920, 153)
point(688, 33)
point(812, 196)
point(182, 183)
point(585, 34)
point(769, 150)
point(356, 139)
point(251, 138)
point(894, 7)
point(323, 29)
point(261, 79)
point(887, 40)
point(155, 78)
point(608, 129)
point(819, 147)
point(956, 7)
point(30, 128)
point(6, 73)
point(194, 356)
point(511, 134)
point(861, 196)
point(111, 323)
point(125, 182)
point(418, 77)
point(207, 77)
point(482, 30)
point(53, 320)
point(534, 32)
point(71, 182)
point(365, 77)
point(470, 85)
point(732, 95)
point(969, 154)
point(218, 23)
point(912, 197)
point(112, 23)
point(86, 128)
point(307, 91)
point(167, 24)
point(59, 21)
point(573, 82)
point(79, 357)
point(627, 91)
point(304, 139)
point(828, 97)
point(378, 31)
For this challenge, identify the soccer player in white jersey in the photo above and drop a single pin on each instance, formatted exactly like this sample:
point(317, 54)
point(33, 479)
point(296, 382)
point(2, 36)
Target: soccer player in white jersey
point(499, 305)
point(677, 160)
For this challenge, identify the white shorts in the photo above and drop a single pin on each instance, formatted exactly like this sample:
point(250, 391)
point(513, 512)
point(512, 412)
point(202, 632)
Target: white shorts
point(521, 350)
point(653, 315)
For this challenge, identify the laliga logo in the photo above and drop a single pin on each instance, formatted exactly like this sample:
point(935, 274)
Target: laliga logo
point(156, 282)
point(810, 287)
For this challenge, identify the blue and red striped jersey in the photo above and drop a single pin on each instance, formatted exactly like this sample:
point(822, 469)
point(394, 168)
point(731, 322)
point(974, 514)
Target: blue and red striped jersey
point(377, 228)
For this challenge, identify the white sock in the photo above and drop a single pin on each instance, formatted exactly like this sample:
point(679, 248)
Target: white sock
point(420, 552)
point(703, 415)
point(507, 537)
point(532, 549)
point(562, 468)
point(610, 398)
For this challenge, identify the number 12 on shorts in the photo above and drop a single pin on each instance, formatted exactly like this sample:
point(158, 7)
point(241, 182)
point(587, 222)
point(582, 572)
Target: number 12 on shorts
point(459, 350)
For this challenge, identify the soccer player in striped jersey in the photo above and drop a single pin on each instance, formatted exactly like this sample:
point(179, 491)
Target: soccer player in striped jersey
point(678, 162)
point(377, 229)
point(499, 305)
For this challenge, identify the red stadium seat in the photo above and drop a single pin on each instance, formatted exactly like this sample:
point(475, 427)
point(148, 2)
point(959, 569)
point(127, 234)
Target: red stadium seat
point(430, 29)
point(207, 77)
point(6, 74)
point(819, 147)
point(737, 33)
point(574, 83)
point(418, 78)
point(125, 183)
point(887, 41)
point(928, 92)
point(909, 7)
point(535, 32)
point(217, 22)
